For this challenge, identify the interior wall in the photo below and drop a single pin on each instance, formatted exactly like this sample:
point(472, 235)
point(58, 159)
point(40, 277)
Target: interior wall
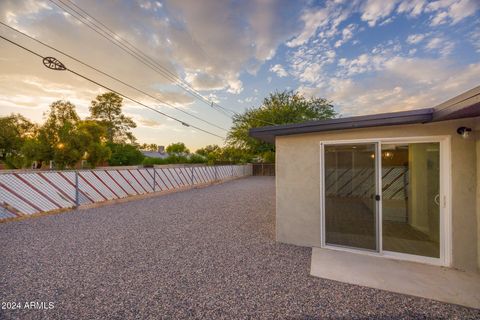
point(298, 184)
point(418, 181)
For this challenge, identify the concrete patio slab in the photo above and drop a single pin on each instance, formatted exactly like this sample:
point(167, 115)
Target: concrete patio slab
point(427, 281)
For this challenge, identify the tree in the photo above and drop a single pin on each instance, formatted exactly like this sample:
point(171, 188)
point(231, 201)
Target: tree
point(177, 148)
point(71, 149)
point(66, 139)
point(124, 155)
point(149, 147)
point(58, 138)
point(230, 154)
point(208, 150)
point(210, 153)
point(97, 151)
point(15, 129)
point(32, 150)
point(107, 108)
point(279, 108)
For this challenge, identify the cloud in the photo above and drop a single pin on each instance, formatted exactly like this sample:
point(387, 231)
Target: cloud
point(177, 98)
point(451, 11)
point(411, 7)
point(148, 122)
point(474, 38)
point(347, 34)
point(440, 45)
point(439, 18)
point(401, 84)
point(416, 70)
point(361, 64)
point(375, 10)
point(235, 86)
point(249, 34)
point(214, 45)
point(312, 21)
point(307, 62)
point(312, 74)
point(204, 81)
point(325, 20)
point(279, 70)
point(415, 38)
point(272, 23)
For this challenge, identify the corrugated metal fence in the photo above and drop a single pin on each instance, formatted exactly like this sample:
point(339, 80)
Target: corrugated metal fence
point(26, 193)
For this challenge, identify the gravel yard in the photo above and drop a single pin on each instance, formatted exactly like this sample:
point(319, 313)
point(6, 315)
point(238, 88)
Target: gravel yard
point(205, 253)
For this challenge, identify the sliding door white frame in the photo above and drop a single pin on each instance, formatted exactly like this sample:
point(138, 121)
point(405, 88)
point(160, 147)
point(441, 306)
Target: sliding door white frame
point(445, 199)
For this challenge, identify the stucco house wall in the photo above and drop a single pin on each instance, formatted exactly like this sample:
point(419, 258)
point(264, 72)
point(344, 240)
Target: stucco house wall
point(477, 139)
point(298, 184)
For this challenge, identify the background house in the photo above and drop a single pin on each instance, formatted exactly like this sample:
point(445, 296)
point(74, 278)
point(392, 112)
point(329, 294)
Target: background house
point(159, 154)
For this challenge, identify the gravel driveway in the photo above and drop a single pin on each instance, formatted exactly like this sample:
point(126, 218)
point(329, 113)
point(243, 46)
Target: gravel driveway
point(204, 253)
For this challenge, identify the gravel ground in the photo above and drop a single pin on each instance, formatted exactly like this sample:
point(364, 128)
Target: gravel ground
point(204, 253)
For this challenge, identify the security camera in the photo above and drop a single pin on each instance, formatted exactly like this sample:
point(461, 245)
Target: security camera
point(464, 132)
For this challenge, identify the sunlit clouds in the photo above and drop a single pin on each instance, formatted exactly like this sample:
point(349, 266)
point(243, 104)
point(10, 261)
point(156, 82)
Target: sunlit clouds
point(366, 56)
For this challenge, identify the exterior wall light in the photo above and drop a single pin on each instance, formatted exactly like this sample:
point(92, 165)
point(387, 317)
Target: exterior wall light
point(464, 132)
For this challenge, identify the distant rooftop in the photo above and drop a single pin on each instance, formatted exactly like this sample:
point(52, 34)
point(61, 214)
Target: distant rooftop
point(465, 105)
point(155, 154)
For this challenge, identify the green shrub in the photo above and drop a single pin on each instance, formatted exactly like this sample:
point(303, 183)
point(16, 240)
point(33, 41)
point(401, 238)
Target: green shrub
point(124, 155)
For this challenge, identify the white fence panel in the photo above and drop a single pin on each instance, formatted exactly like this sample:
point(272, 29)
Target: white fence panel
point(26, 193)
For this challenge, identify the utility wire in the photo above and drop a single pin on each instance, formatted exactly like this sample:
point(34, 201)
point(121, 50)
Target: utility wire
point(116, 36)
point(110, 76)
point(144, 58)
point(112, 90)
point(177, 78)
point(135, 52)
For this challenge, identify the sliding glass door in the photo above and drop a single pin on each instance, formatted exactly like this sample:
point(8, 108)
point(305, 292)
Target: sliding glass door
point(411, 198)
point(350, 190)
point(382, 196)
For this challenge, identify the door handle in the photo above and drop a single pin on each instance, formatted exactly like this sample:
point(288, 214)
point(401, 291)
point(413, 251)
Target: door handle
point(437, 199)
point(377, 197)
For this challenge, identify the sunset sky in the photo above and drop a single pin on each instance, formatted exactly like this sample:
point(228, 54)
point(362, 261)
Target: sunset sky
point(365, 56)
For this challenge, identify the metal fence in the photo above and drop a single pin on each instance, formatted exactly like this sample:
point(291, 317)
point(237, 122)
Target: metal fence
point(263, 169)
point(26, 193)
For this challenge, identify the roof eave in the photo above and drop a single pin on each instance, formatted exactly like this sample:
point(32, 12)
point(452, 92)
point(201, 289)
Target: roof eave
point(268, 134)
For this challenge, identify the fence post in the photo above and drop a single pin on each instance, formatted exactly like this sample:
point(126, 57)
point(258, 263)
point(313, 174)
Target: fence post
point(232, 169)
point(215, 172)
point(77, 193)
point(154, 181)
point(191, 177)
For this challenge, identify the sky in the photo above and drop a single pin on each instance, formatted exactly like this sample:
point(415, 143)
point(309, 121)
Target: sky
point(366, 56)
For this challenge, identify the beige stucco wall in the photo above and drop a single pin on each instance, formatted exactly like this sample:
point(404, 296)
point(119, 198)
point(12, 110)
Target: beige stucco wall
point(298, 184)
point(477, 138)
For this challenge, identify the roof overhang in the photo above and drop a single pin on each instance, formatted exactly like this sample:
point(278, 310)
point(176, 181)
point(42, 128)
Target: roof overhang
point(465, 105)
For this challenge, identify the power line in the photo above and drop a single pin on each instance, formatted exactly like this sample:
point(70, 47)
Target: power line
point(110, 76)
point(114, 38)
point(135, 52)
point(112, 90)
point(177, 79)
